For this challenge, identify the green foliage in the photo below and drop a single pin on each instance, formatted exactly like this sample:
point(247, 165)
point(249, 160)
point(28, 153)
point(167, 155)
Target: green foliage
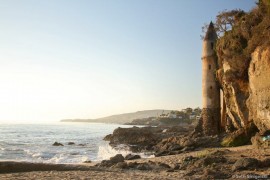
point(237, 141)
point(240, 137)
point(247, 32)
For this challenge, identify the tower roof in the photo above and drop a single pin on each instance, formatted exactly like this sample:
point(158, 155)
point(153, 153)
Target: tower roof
point(211, 32)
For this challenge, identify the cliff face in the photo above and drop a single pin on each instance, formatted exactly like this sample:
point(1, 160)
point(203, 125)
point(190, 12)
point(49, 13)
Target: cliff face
point(244, 70)
point(259, 88)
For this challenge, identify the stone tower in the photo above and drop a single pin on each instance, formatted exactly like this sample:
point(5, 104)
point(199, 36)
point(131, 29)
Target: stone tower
point(210, 87)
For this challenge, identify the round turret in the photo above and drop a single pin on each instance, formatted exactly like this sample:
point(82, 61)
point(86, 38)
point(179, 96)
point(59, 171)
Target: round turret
point(210, 86)
point(211, 94)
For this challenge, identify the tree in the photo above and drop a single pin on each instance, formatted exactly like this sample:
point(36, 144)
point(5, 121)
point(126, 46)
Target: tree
point(225, 20)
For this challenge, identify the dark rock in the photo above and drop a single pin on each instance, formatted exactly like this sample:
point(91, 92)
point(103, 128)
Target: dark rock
point(161, 153)
point(117, 158)
point(88, 161)
point(170, 170)
point(108, 137)
point(143, 167)
point(174, 152)
point(175, 147)
point(132, 164)
point(121, 165)
point(176, 167)
point(265, 163)
point(211, 160)
point(105, 163)
point(245, 163)
point(133, 136)
point(113, 160)
point(71, 143)
point(214, 174)
point(163, 165)
point(199, 142)
point(221, 152)
point(57, 144)
point(81, 144)
point(132, 157)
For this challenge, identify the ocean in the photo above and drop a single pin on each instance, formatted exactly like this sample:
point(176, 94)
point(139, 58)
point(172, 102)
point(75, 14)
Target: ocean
point(33, 142)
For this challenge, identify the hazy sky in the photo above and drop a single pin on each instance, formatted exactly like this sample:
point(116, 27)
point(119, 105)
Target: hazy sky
point(88, 59)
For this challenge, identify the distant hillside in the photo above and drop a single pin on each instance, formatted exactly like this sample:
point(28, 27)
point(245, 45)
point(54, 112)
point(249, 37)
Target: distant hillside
point(122, 118)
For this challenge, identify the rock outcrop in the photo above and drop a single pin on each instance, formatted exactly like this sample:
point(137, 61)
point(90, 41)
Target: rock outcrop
point(137, 138)
point(57, 144)
point(259, 84)
point(151, 138)
point(244, 71)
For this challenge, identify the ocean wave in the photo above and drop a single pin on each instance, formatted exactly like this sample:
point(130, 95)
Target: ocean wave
point(106, 151)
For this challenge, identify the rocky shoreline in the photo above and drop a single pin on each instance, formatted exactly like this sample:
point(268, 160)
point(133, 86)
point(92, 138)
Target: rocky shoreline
point(161, 140)
point(179, 154)
point(243, 162)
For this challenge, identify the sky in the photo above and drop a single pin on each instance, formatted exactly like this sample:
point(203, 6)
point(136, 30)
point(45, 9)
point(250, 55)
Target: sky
point(93, 58)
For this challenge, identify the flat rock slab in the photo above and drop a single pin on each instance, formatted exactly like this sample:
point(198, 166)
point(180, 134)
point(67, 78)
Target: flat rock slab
point(11, 167)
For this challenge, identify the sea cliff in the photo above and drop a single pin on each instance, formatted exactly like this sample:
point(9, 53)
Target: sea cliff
point(243, 53)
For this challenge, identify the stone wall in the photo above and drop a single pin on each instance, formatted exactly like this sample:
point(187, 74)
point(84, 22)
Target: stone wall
point(210, 121)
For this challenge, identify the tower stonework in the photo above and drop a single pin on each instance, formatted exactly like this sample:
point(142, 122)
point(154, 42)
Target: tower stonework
point(210, 121)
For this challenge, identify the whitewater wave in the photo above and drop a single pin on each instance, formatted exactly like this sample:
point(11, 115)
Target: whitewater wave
point(106, 151)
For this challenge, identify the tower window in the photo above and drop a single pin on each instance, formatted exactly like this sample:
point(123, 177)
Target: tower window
point(210, 87)
point(209, 66)
point(212, 45)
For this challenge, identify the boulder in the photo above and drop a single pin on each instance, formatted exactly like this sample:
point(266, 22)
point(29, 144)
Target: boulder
point(209, 160)
point(113, 161)
point(132, 164)
point(245, 163)
point(133, 136)
point(57, 144)
point(105, 163)
point(117, 158)
point(132, 157)
point(120, 165)
point(71, 143)
point(143, 167)
point(107, 137)
point(163, 165)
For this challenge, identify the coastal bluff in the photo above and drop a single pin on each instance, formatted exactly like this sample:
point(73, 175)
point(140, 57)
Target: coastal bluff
point(122, 118)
